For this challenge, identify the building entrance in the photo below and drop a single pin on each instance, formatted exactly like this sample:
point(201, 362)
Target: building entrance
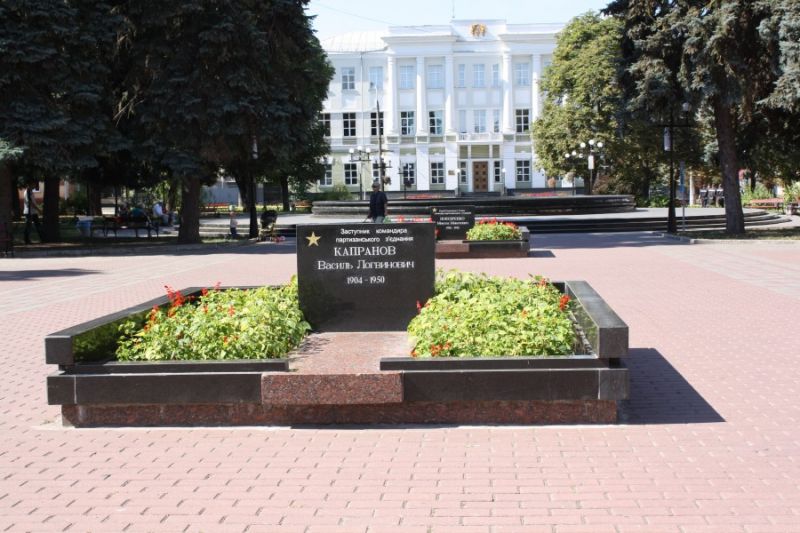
point(480, 176)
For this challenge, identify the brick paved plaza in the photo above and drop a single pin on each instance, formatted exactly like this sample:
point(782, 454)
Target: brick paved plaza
point(710, 440)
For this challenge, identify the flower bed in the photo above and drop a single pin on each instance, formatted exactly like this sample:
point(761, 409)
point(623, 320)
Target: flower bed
point(474, 315)
point(494, 230)
point(580, 386)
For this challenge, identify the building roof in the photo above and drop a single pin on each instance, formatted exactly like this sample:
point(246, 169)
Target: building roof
point(355, 41)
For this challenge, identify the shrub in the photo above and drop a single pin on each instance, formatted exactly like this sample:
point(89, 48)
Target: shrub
point(493, 230)
point(260, 323)
point(339, 192)
point(791, 193)
point(475, 315)
point(759, 193)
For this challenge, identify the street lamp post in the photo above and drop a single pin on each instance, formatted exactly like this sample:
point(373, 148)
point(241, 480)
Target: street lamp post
point(669, 136)
point(360, 155)
point(592, 148)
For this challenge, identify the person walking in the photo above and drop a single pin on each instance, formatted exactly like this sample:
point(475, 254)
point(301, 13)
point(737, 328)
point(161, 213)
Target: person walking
point(377, 204)
point(31, 210)
point(234, 224)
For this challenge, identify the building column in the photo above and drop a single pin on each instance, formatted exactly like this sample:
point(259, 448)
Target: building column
point(508, 112)
point(422, 113)
point(536, 68)
point(449, 96)
point(389, 123)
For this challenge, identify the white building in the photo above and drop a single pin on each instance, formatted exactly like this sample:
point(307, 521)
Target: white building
point(456, 103)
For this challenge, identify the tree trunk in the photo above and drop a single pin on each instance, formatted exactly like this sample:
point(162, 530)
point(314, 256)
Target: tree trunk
point(50, 227)
point(726, 138)
point(251, 205)
point(285, 192)
point(189, 232)
point(244, 188)
point(93, 198)
point(7, 190)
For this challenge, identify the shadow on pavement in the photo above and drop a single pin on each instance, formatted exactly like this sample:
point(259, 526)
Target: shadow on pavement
point(558, 241)
point(660, 395)
point(19, 275)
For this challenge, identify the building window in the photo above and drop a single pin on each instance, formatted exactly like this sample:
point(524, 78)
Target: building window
point(325, 120)
point(462, 121)
point(523, 120)
point(375, 78)
point(462, 76)
point(524, 170)
point(348, 78)
point(376, 124)
point(327, 179)
point(496, 120)
point(349, 124)
point(496, 75)
point(406, 123)
point(351, 174)
point(462, 172)
point(522, 74)
point(437, 173)
point(376, 171)
point(479, 121)
point(409, 174)
point(478, 75)
point(435, 122)
point(498, 171)
point(407, 77)
point(435, 77)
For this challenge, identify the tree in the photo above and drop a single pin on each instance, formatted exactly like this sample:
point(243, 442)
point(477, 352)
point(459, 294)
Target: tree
point(52, 70)
point(721, 56)
point(212, 80)
point(583, 100)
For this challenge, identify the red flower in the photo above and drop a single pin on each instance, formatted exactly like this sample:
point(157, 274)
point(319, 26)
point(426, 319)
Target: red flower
point(419, 306)
point(562, 304)
point(204, 291)
point(230, 311)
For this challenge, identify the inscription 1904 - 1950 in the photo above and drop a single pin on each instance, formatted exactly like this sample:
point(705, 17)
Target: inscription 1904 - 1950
point(364, 277)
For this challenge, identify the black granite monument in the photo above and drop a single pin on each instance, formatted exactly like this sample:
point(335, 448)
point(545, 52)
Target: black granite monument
point(364, 277)
point(453, 222)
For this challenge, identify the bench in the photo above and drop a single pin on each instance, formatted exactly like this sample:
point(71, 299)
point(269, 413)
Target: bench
point(766, 203)
point(214, 209)
point(135, 223)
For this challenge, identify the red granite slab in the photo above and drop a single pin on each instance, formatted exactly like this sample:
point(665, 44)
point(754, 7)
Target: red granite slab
point(485, 412)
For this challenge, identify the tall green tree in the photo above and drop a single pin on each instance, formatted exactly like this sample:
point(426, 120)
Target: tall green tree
point(52, 69)
point(584, 100)
point(219, 84)
point(719, 55)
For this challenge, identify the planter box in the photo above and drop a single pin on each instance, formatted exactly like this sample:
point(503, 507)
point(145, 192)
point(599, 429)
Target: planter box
point(580, 388)
point(89, 375)
point(484, 249)
point(595, 373)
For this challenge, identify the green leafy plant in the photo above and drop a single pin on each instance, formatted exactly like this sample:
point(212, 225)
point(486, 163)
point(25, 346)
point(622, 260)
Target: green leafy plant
point(760, 192)
point(494, 230)
point(474, 315)
point(791, 193)
point(260, 323)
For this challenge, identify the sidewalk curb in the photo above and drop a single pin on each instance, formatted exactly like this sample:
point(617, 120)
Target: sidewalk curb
point(129, 250)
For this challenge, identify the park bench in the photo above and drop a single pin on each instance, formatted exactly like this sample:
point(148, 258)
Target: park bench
point(214, 209)
point(766, 203)
point(115, 224)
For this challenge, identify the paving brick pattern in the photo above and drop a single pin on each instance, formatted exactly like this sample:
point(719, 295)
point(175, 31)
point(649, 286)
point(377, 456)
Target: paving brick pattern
point(710, 440)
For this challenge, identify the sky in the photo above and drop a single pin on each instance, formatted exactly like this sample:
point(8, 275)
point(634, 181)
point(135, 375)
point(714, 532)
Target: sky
point(335, 17)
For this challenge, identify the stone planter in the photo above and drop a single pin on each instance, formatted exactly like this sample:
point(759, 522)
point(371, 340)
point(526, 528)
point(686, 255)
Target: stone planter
point(89, 376)
point(484, 249)
point(580, 388)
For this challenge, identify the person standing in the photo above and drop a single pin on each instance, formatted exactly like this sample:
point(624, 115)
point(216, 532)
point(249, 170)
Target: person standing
point(31, 210)
point(234, 225)
point(377, 204)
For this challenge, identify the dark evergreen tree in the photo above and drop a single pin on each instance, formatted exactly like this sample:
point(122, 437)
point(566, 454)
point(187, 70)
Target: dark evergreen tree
point(53, 67)
point(215, 84)
point(724, 56)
